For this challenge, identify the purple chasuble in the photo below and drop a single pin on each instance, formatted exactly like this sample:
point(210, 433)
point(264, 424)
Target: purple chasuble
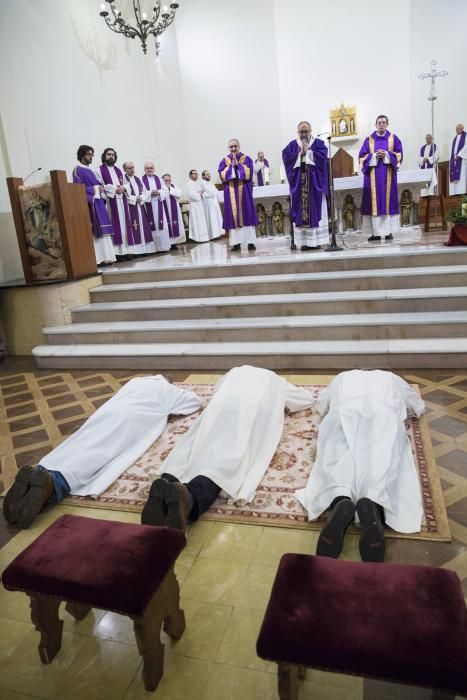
point(380, 182)
point(430, 154)
point(133, 208)
point(307, 183)
point(100, 221)
point(160, 211)
point(171, 213)
point(239, 207)
point(455, 164)
point(107, 179)
point(259, 174)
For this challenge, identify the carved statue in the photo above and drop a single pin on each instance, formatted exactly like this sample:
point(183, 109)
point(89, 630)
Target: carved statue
point(342, 126)
point(348, 214)
point(262, 221)
point(406, 206)
point(278, 217)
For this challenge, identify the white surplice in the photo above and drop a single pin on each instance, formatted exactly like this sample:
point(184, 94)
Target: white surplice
point(176, 192)
point(363, 448)
point(144, 197)
point(212, 210)
point(118, 433)
point(430, 190)
point(460, 185)
point(160, 235)
point(233, 441)
point(123, 248)
point(198, 228)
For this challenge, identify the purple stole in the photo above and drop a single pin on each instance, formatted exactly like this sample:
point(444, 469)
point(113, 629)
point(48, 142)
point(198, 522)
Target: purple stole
point(107, 179)
point(455, 165)
point(134, 212)
point(427, 164)
point(160, 211)
point(172, 219)
point(100, 221)
point(259, 174)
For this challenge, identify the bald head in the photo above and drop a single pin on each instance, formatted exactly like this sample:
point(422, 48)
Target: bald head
point(234, 146)
point(304, 131)
point(429, 138)
point(149, 168)
point(129, 167)
point(459, 128)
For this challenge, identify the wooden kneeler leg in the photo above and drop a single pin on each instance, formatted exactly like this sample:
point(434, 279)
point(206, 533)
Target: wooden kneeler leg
point(44, 616)
point(287, 681)
point(78, 610)
point(174, 622)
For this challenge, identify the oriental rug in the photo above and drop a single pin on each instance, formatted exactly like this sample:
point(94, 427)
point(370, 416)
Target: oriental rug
point(274, 504)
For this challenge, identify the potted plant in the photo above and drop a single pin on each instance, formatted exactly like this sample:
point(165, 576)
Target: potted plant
point(458, 216)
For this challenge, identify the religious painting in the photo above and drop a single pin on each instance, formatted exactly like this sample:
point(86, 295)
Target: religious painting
point(343, 120)
point(42, 233)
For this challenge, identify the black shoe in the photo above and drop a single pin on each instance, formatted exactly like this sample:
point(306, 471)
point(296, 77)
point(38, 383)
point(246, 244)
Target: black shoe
point(331, 538)
point(235, 247)
point(304, 248)
point(372, 545)
point(155, 509)
point(315, 247)
point(374, 238)
point(251, 246)
point(388, 238)
point(27, 496)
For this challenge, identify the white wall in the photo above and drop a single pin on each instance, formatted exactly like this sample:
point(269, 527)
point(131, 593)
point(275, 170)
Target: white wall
point(249, 69)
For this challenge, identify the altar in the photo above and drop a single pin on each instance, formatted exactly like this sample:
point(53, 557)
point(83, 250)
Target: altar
point(273, 203)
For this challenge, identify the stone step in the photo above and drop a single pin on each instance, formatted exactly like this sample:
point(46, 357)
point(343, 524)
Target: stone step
point(406, 353)
point(368, 301)
point(447, 324)
point(157, 269)
point(295, 283)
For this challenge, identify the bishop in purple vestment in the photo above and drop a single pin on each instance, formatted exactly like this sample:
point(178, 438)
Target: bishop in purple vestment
point(380, 158)
point(458, 163)
point(101, 226)
point(306, 165)
point(240, 217)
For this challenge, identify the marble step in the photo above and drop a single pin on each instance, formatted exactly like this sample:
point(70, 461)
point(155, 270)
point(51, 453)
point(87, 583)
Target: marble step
point(367, 301)
point(396, 278)
point(157, 269)
point(406, 353)
point(444, 324)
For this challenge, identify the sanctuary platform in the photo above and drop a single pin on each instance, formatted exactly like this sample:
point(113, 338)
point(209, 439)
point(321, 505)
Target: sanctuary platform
point(386, 306)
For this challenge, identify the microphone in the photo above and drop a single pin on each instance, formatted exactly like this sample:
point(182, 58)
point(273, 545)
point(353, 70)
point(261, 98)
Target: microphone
point(34, 171)
point(323, 133)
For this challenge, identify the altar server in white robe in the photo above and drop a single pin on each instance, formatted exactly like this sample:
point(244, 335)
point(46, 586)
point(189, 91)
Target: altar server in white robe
point(173, 212)
point(228, 447)
point(458, 162)
point(212, 209)
point(194, 192)
point(364, 461)
point(160, 227)
point(91, 459)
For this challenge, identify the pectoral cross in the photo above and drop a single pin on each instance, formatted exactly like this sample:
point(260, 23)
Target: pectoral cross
point(134, 224)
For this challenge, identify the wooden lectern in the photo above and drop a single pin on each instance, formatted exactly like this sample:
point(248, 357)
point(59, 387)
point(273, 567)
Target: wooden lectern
point(53, 229)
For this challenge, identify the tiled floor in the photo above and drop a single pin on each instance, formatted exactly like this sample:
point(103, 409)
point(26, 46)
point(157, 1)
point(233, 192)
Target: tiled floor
point(225, 573)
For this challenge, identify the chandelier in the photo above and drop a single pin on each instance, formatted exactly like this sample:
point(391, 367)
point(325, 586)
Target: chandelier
point(143, 26)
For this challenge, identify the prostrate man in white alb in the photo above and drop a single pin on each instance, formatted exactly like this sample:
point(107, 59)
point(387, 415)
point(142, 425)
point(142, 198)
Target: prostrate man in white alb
point(458, 163)
point(212, 209)
point(155, 209)
point(229, 447)
point(91, 459)
point(173, 212)
point(194, 192)
point(364, 461)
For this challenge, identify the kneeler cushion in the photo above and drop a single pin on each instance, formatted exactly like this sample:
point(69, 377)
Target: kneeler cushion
point(107, 564)
point(406, 624)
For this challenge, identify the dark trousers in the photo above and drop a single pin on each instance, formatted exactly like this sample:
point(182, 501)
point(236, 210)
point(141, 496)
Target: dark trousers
point(204, 492)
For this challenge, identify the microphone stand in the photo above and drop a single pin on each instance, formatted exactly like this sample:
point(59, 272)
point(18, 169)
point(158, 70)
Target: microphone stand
point(332, 223)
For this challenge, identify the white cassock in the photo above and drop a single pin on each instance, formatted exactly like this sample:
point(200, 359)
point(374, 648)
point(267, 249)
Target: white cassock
point(265, 172)
point(103, 246)
point(212, 210)
point(460, 185)
point(233, 441)
point(118, 433)
point(175, 192)
point(363, 448)
point(160, 235)
point(198, 228)
point(427, 191)
point(304, 235)
point(123, 248)
point(145, 197)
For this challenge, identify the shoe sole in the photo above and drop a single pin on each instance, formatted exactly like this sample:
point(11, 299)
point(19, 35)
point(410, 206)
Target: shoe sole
point(372, 545)
point(174, 503)
point(28, 498)
point(331, 538)
point(154, 511)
